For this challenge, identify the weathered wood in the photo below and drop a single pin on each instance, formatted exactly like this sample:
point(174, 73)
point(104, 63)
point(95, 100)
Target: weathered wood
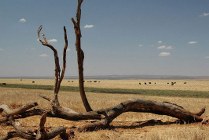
point(28, 113)
point(69, 114)
point(56, 131)
point(106, 116)
point(7, 111)
point(59, 75)
point(9, 135)
point(39, 134)
point(80, 56)
point(161, 108)
point(21, 132)
point(21, 112)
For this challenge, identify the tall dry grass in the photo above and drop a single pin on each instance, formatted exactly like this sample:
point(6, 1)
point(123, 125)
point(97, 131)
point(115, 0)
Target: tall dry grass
point(123, 124)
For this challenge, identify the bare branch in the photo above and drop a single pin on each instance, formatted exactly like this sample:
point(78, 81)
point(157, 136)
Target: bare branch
point(46, 98)
point(21, 132)
point(78, 15)
point(56, 58)
point(80, 56)
point(56, 131)
point(19, 110)
point(39, 134)
point(25, 114)
point(42, 122)
point(200, 112)
point(64, 55)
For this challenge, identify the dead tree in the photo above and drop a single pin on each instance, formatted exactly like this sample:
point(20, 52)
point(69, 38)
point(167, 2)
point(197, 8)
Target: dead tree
point(38, 134)
point(80, 56)
point(59, 74)
point(57, 109)
point(102, 117)
point(105, 116)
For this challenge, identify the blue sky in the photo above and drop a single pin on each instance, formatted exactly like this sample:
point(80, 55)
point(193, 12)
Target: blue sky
point(120, 37)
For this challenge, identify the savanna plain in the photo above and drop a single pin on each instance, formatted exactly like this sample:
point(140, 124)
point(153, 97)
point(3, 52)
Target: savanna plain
point(142, 126)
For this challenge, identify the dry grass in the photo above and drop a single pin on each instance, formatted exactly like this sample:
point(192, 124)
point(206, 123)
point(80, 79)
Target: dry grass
point(195, 85)
point(127, 126)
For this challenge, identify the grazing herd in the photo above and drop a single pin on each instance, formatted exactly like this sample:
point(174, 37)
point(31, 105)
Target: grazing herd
point(89, 81)
point(168, 83)
point(97, 81)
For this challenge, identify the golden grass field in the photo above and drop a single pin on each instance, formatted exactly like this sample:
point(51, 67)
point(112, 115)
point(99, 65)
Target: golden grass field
point(196, 85)
point(127, 126)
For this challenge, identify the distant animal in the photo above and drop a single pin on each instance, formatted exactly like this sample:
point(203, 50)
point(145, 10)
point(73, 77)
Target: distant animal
point(33, 81)
point(4, 84)
point(173, 83)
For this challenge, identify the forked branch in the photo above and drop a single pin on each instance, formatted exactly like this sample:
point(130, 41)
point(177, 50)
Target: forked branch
point(59, 75)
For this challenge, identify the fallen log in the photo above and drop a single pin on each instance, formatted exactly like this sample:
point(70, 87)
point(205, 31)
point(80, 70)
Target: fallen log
point(105, 116)
point(161, 108)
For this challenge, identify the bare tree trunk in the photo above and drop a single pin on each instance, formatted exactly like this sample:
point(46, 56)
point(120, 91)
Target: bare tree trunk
point(80, 57)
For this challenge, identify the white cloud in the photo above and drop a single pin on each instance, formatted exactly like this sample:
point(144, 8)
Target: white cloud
point(207, 57)
point(22, 20)
point(52, 40)
point(165, 47)
point(161, 47)
point(204, 14)
point(160, 42)
point(88, 26)
point(192, 42)
point(164, 54)
point(140, 45)
point(44, 55)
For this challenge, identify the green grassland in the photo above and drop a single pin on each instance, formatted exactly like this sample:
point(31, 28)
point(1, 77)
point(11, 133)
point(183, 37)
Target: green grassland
point(149, 92)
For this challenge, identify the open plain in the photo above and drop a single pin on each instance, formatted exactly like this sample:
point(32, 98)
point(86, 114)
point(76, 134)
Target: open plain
point(142, 126)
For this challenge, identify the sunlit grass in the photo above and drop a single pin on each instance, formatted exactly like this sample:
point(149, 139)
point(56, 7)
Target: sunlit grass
point(109, 93)
point(18, 96)
point(149, 92)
